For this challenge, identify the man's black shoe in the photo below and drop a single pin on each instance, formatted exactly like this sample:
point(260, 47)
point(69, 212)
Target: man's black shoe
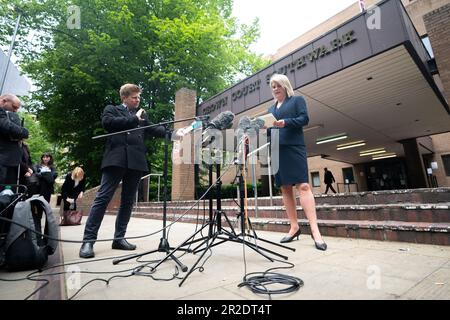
point(123, 245)
point(87, 250)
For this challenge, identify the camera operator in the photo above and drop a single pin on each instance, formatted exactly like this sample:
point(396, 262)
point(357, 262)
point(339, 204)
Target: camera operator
point(11, 134)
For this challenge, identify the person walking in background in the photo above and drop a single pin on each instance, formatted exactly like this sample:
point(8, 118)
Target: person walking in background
point(291, 114)
point(329, 179)
point(124, 160)
point(73, 189)
point(47, 174)
point(11, 135)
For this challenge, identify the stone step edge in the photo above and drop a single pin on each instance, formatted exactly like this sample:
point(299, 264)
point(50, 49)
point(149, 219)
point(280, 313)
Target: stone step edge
point(349, 224)
point(406, 206)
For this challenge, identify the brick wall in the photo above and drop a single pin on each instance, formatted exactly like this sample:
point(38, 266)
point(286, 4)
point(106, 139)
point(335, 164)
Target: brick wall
point(183, 174)
point(416, 10)
point(437, 24)
point(88, 198)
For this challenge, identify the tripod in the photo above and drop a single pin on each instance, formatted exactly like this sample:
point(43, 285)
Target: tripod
point(218, 235)
point(164, 243)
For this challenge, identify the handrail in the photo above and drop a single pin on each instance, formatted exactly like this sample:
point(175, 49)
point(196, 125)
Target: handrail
point(347, 184)
point(159, 175)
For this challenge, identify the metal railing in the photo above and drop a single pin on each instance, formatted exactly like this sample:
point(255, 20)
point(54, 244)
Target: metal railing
point(159, 175)
point(347, 186)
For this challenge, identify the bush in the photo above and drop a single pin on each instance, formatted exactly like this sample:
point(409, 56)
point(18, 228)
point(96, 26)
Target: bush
point(230, 191)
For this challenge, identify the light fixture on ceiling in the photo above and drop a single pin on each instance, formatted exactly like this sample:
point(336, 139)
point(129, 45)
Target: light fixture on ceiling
point(371, 152)
point(335, 137)
point(349, 145)
point(318, 126)
point(384, 156)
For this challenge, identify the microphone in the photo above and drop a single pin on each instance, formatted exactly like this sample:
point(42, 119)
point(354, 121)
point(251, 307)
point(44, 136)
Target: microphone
point(222, 121)
point(248, 125)
point(194, 125)
point(202, 118)
point(257, 124)
point(243, 126)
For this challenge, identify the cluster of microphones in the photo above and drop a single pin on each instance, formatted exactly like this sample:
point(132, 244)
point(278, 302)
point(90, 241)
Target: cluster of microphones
point(223, 121)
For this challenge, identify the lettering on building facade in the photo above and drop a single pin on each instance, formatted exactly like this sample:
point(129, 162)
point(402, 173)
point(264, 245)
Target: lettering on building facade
point(242, 92)
point(299, 63)
point(316, 54)
point(216, 106)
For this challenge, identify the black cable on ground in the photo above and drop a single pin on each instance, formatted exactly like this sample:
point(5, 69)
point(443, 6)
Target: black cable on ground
point(259, 282)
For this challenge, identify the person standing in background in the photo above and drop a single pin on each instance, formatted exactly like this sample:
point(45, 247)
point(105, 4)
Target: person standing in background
point(328, 180)
point(73, 189)
point(11, 134)
point(27, 176)
point(47, 174)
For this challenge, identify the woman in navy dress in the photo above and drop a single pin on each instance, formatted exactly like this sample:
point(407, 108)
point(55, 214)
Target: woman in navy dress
point(292, 170)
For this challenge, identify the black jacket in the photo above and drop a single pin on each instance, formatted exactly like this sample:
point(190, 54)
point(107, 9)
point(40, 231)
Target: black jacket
point(11, 132)
point(328, 177)
point(46, 180)
point(126, 150)
point(69, 190)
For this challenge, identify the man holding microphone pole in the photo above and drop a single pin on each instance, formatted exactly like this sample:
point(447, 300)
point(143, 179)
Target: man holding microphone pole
point(124, 160)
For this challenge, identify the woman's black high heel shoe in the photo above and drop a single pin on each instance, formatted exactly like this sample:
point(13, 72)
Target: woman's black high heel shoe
point(319, 246)
point(289, 238)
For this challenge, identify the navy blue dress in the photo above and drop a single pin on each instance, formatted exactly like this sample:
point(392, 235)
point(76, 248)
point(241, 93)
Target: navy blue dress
point(291, 167)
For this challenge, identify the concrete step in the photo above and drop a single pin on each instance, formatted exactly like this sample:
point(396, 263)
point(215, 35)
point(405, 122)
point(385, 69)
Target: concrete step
point(417, 215)
point(407, 212)
point(428, 195)
point(414, 232)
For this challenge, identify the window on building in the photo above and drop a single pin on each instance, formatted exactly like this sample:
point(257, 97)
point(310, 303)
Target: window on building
point(426, 42)
point(348, 175)
point(315, 178)
point(446, 161)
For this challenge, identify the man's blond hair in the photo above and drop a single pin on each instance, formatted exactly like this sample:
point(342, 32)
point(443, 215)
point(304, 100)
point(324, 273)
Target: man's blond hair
point(128, 89)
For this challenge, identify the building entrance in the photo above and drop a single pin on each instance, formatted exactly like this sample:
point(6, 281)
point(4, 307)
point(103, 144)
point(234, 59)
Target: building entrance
point(388, 174)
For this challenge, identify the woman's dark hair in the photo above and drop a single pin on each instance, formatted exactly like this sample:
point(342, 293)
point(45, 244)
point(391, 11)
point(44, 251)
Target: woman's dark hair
point(46, 154)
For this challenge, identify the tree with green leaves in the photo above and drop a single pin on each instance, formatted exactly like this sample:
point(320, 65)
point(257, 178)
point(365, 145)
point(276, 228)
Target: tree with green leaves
point(79, 54)
point(37, 142)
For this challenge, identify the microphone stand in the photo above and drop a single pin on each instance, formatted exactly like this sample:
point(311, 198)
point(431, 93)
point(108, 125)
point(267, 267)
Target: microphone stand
point(164, 243)
point(217, 234)
point(201, 118)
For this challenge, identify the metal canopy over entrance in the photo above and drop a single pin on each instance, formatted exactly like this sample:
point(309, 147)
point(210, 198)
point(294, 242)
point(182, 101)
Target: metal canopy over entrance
point(371, 84)
point(381, 101)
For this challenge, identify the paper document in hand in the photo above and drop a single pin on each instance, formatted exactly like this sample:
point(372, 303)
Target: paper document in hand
point(269, 119)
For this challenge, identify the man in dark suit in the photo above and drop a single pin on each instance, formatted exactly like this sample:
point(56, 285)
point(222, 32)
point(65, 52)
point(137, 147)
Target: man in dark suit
point(11, 134)
point(329, 179)
point(124, 160)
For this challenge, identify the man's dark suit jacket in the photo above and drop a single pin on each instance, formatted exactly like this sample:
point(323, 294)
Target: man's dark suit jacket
point(126, 150)
point(10, 133)
point(328, 177)
point(295, 115)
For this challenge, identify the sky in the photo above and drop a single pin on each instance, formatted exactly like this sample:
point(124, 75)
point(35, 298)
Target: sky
point(281, 21)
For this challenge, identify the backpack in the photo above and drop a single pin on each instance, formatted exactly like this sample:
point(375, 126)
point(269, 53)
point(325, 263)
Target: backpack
point(24, 249)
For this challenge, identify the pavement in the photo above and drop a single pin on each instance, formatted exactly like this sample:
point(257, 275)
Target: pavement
point(351, 269)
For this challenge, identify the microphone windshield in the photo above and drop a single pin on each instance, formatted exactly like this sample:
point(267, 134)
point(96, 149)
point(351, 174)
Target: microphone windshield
point(244, 123)
point(257, 124)
point(222, 121)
